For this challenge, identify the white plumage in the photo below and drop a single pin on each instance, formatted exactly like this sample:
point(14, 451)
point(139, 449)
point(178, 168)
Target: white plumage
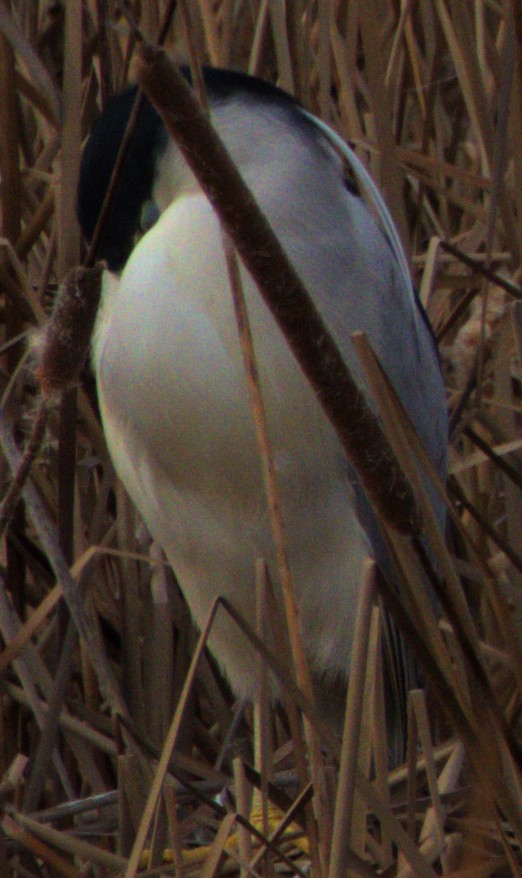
point(173, 391)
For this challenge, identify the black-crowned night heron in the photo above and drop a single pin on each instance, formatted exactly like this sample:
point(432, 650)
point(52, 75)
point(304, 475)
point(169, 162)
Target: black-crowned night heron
point(171, 381)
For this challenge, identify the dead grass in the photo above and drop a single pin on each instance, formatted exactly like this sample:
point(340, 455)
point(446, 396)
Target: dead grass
point(117, 739)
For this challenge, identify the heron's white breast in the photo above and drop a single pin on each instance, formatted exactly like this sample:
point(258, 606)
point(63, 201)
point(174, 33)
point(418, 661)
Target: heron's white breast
point(176, 410)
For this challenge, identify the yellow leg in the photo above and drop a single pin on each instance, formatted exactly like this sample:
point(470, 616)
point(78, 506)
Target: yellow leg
point(275, 832)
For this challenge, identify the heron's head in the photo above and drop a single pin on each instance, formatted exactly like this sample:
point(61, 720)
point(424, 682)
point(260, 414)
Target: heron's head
point(262, 126)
